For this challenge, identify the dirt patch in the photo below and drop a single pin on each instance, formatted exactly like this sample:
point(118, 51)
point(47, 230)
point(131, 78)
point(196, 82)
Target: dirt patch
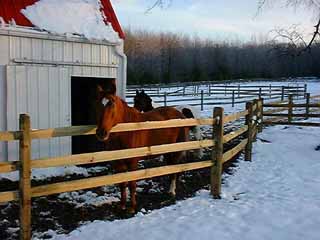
point(65, 212)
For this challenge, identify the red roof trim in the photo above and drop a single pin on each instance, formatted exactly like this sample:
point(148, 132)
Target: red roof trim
point(111, 17)
point(11, 9)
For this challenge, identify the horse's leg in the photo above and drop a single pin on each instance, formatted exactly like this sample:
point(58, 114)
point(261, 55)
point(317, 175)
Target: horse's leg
point(123, 201)
point(121, 166)
point(133, 186)
point(170, 159)
point(175, 158)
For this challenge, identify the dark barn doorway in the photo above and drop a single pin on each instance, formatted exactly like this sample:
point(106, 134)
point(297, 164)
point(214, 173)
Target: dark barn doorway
point(83, 96)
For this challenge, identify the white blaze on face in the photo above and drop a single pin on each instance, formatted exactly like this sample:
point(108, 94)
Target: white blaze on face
point(105, 101)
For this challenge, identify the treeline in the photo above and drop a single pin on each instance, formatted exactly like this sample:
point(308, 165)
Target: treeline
point(168, 57)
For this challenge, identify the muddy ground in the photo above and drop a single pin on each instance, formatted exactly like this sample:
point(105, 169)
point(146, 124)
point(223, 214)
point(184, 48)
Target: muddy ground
point(66, 212)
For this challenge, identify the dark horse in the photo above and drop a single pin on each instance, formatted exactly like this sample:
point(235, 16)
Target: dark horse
point(143, 103)
point(112, 110)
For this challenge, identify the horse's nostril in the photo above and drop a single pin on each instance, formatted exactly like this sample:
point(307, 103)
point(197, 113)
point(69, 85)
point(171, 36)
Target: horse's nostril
point(101, 133)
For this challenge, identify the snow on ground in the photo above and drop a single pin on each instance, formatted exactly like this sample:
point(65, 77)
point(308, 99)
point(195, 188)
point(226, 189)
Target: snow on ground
point(313, 87)
point(276, 196)
point(44, 173)
point(82, 17)
point(40, 174)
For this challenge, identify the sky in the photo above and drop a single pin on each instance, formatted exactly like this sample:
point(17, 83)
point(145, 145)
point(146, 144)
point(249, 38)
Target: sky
point(215, 19)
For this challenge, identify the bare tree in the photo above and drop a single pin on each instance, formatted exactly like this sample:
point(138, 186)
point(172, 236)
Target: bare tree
point(159, 3)
point(293, 41)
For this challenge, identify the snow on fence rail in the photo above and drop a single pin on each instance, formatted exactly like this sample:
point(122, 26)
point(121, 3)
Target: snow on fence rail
point(25, 164)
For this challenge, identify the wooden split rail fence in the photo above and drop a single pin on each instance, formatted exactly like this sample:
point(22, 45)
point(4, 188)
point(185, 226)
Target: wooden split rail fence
point(233, 94)
point(252, 115)
point(277, 117)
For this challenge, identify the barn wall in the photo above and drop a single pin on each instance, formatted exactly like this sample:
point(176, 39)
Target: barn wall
point(4, 50)
point(3, 152)
point(44, 93)
point(86, 58)
point(38, 75)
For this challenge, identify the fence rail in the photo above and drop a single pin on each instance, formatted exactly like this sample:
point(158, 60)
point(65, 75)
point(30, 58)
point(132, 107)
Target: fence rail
point(289, 106)
point(212, 94)
point(25, 163)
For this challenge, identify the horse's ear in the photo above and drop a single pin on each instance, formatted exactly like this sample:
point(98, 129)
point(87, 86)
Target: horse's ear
point(137, 92)
point(142, 91)
point(100, 92)
point(113, 88)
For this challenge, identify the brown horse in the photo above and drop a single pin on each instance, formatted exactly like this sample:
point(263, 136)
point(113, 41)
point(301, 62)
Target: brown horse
point(112, 110)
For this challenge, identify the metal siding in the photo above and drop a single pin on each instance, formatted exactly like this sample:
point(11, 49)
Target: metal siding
point(65, 109)
point(33, 105)
point(4, 50)
point(77, 71)
point(54, 100)
point(12, 117)
point(77, 52)
point(96, 72)
point(36, 49)
point(3, 145)
point(96, 54)
point(86, 71)
point(57, 51)
point(15, 47)
point(104, 54)
point(44, 91)
point(26, 48)
point(43, 113)
point(86, 53)
point(47, 50)
point(67, 52)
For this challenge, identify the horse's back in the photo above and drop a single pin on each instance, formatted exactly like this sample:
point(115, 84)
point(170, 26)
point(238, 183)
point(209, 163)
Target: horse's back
point(163, 113)
point(167, 135)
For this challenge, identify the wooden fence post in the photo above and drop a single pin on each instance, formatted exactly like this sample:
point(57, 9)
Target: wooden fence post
point(260, 105)
point(217, 152)
point(202, 93)
point(233, 92)
point(290, 102)
point(238, 90)
point(165, 99)
point(305, 90)
point(25, 177)
point(248, 150)
point(255, 119)
point(307, 104)
point(282, 93)
point(260, 93)
point(270, 91)
point(209, 90)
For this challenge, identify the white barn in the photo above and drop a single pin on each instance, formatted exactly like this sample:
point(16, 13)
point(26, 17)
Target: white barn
point(52, 77)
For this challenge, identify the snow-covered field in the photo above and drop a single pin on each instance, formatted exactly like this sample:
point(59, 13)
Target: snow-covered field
point(39, 174)
point(276, 196)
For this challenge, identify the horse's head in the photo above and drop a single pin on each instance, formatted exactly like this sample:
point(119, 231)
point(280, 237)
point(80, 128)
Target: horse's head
point(108, 105)
point(142, 102)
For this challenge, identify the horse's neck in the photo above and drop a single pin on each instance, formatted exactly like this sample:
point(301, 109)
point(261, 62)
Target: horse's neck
point(149, 108)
